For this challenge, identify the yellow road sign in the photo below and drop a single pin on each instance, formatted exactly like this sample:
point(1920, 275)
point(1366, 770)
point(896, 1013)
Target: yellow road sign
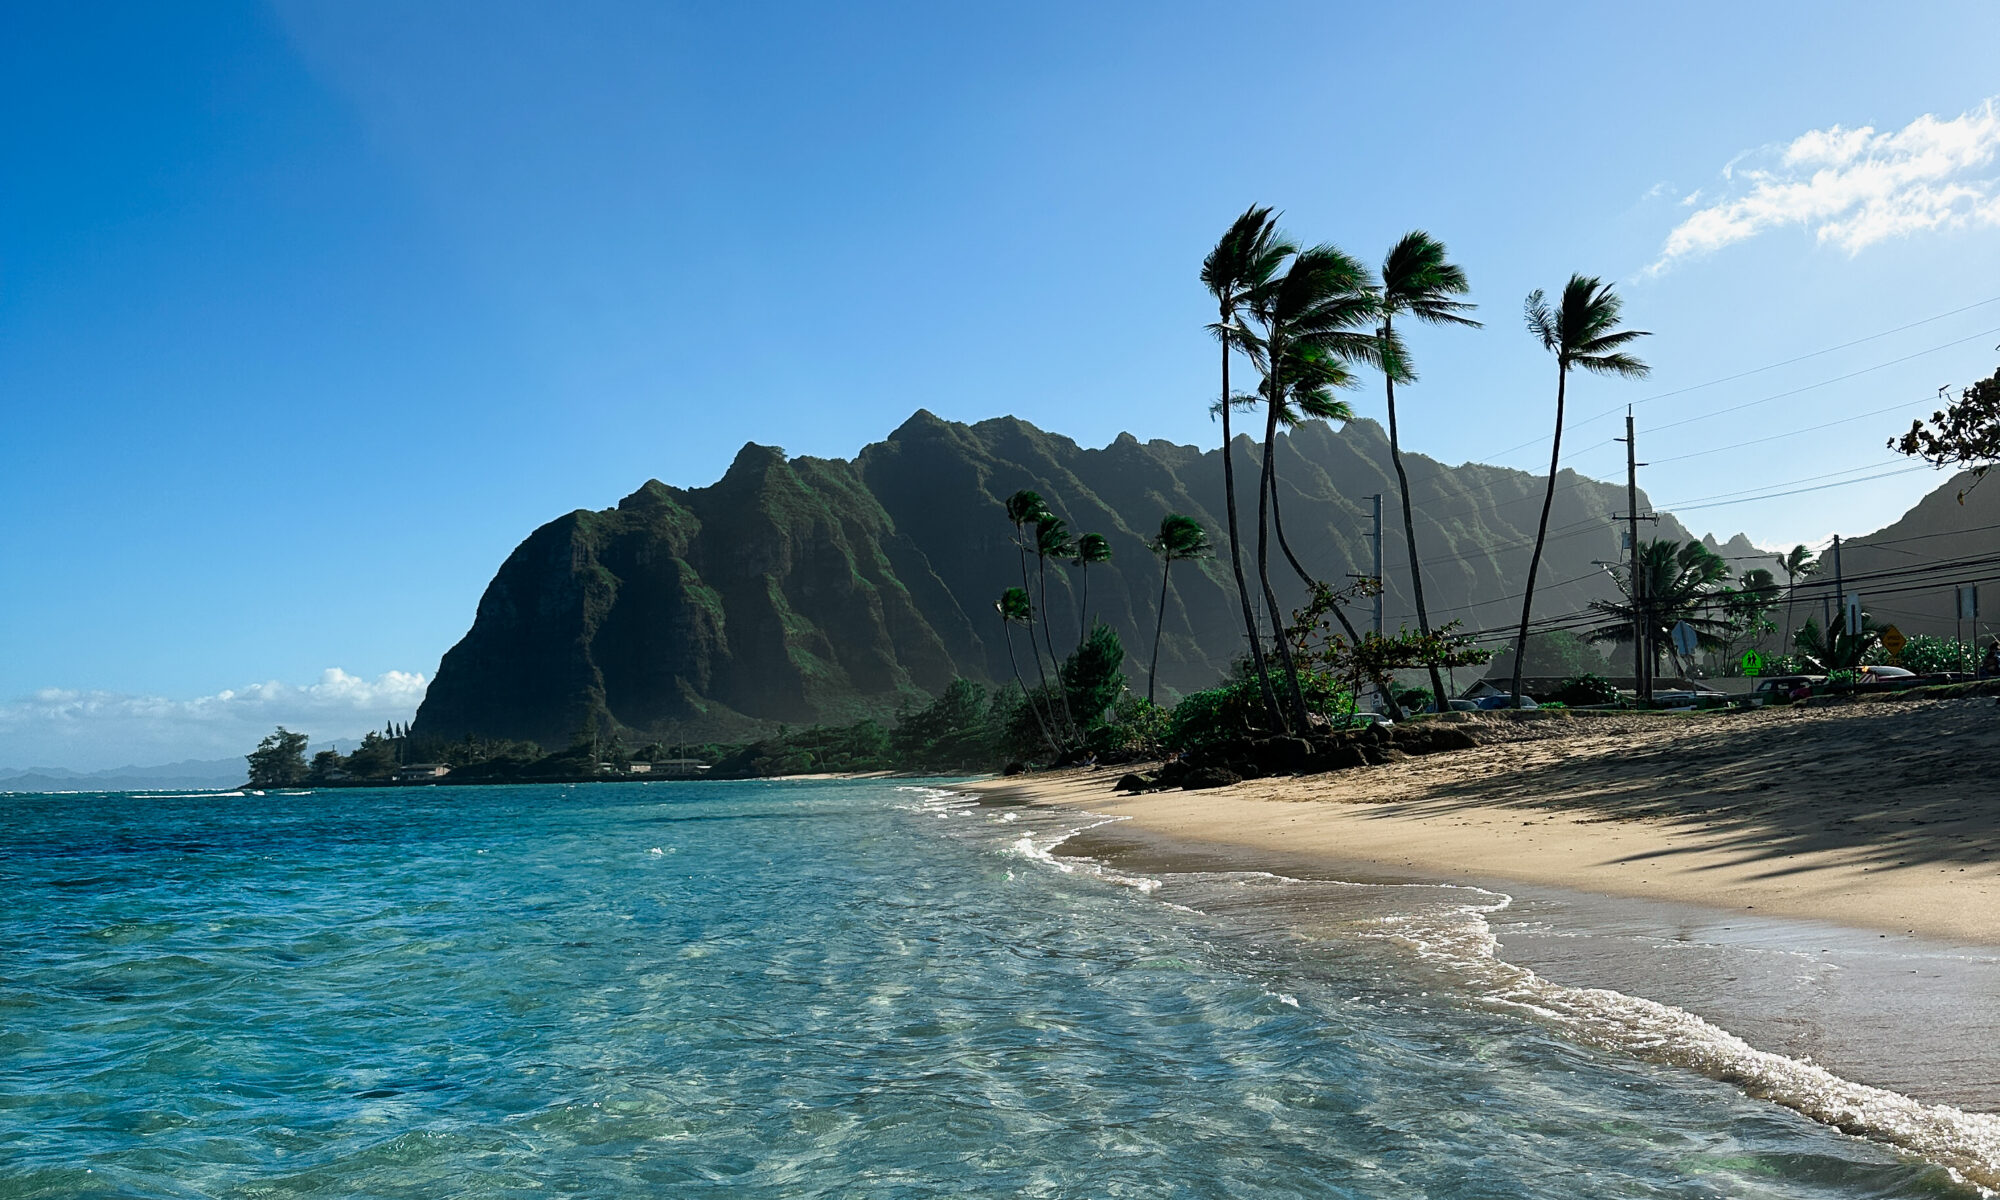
point(1893, 640)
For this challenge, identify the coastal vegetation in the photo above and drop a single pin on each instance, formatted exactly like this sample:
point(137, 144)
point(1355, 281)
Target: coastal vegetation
point(819, 615)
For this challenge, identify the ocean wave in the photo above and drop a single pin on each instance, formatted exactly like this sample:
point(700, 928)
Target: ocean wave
point(1457, 937)
point(1461, 940)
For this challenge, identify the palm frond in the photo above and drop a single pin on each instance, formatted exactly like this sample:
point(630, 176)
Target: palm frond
point(1542, 322)
point(1418, 279)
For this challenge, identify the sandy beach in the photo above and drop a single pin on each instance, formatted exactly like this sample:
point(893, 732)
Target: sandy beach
point(1879, 816)
point(1824, 882)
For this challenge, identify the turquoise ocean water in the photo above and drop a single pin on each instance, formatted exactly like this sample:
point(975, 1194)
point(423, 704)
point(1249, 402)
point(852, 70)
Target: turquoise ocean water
point(824, 989)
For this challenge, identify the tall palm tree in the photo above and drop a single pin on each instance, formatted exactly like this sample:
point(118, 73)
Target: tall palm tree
point(1309, 384)
point(1026, 508)
point(1052, 541)
point(1179, 538)
point(1015, 608)
point(1090, 548)
point(1582, 331)
point(1244, 260)
point(1417, 280)
point(1797, 563)
point(1317, 309)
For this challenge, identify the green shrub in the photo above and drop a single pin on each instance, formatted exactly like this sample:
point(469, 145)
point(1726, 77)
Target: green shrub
point(1236, 709)
point(1928, 655)
point(1416, 699)
point(1584, 688)
point(1841, 678)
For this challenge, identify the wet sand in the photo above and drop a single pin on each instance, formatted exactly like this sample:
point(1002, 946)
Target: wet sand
point(1823, 882)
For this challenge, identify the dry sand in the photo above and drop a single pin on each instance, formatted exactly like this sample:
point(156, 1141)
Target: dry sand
point(1883, 816)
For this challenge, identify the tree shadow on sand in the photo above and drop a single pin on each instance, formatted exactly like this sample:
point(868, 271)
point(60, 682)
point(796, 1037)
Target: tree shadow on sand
point(1881, 785)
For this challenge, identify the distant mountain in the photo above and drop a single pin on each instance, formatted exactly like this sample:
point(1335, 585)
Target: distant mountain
point(192, 775)
point(1908, 573)
point(195, 775)
point(806, 589)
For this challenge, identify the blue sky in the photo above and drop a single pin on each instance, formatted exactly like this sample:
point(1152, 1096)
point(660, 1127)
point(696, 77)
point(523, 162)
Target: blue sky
point(308, 313)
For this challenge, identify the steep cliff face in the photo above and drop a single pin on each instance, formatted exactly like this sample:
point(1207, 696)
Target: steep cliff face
point(811, 589)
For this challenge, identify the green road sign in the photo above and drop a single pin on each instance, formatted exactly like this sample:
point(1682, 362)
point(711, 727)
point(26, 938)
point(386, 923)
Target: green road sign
point(1753, 663)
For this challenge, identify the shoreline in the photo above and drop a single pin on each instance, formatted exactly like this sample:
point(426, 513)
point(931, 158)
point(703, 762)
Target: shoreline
point(1880, 817)
point(1868, 947)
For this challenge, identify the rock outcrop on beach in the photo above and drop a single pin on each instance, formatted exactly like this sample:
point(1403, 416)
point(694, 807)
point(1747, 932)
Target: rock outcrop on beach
point(797, 590)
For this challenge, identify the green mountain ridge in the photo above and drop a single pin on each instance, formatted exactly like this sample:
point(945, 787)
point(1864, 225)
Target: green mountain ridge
point(796, 590)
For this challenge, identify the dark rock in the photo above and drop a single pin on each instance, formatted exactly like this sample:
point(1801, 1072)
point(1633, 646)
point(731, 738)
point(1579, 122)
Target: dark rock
point(1012, 768)
point(1210, 777)
point(1134, 782)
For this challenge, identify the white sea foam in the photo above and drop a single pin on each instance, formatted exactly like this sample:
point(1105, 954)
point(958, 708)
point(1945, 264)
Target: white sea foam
point(1458, 937)
point(1461, 940)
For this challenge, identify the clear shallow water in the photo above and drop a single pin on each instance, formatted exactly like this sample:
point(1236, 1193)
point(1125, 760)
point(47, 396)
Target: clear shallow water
point(787, 989)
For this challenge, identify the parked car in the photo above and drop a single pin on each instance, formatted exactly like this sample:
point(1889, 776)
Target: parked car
point(1489, 703)
point(1689, 697)
point(1464, 705)
point(1784, 688)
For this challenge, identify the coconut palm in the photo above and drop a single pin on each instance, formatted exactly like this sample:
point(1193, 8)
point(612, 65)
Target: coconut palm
point(1052, 540)
point(1419, 281)
point(1026, 508)
point(1318, 309)
point(1090, 548)
point(1310, 382)
point(1244, 260)
point(1179, 538)
point(1015, 608)
point(1581, 331)
point(1679, 582)
point(1797, 563)
point(1835, 649)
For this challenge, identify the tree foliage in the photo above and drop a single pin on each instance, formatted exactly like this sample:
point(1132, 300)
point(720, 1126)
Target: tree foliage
point(1965, 433)
point(279, 760)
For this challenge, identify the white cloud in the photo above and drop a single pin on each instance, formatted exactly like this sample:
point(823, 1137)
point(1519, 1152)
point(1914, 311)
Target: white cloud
point(91, 730)
point(1855, 187)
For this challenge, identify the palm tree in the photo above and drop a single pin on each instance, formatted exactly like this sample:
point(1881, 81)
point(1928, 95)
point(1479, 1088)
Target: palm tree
point(1581, 332)
point(1025, 508)
point(1416, 279)
point(1679, 582)
point(1835, 649)
point(1052, 541)
point(1309, 385)
point(1180, 538)
point(1015, 608)
point(1090, 548)
point(1314, 310)
point(1245, 260)
point(1797, 563)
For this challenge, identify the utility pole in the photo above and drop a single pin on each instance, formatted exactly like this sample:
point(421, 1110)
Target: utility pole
point(1839, 591)
point(1641, 660)
point(1377, 538)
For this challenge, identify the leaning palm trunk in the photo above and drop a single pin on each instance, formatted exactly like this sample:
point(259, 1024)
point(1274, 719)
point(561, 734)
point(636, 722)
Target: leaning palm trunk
point(1040, 672)
point(1410, 533)
point(1015, 663)
point(1071, 733)
point(1541, 534)
point(1266, 486)
point(1159, 627)
point(1236, 553)
point(1381, 683)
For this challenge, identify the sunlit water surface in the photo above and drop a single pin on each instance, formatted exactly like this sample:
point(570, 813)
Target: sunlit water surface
point(782, 989)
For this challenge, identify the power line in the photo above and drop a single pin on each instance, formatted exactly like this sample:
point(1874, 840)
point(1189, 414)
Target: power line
point(1681, 508)
point(1824, 382)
